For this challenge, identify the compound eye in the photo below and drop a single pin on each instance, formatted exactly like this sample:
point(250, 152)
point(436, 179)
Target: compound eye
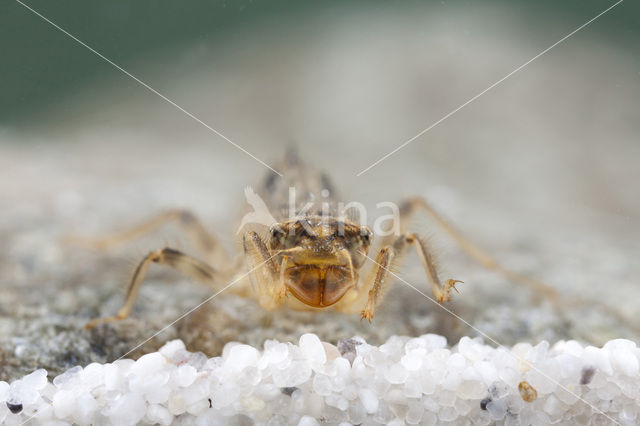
point(366, 234)
point(277, 233)
point(280, 237)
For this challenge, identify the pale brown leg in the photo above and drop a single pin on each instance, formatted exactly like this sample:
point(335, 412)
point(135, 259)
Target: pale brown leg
point(440, 291)
point(409, 208)
point(541, 289)
point(264, 271)
point(385, 260)
point(379, 274)
point(194, 229)
point(188, 265)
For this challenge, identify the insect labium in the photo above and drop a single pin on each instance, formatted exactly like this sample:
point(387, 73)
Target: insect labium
point(305, 258)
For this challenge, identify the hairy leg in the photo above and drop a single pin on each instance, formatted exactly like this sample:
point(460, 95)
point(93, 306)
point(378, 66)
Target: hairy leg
point(412, 205)
point(377, 281)
point(440, 291)
point(540, 289)
point(205, 242)
point(265, 273)
point(388, 258)
point(188, 265)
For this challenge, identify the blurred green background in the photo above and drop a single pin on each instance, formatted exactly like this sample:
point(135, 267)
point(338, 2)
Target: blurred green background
point(39, 65)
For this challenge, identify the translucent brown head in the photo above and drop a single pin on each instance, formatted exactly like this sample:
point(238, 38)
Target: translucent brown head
point(319, 257)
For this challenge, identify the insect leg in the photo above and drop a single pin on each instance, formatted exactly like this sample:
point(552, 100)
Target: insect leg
point(188, 265)
point(378, 281)
point(388, 258)
point(409, 208)
point(265, 272)
point(440, 291)
point(194, 229)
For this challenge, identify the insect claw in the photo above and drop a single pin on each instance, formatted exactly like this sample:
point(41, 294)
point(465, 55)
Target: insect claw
point(452, 284)
point(367, 315)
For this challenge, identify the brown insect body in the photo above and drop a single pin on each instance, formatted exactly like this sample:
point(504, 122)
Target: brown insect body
point(318, 251)
point(313, 252)
point(320, 257)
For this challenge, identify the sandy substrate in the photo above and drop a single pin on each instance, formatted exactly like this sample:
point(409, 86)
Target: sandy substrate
point(403, 381)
